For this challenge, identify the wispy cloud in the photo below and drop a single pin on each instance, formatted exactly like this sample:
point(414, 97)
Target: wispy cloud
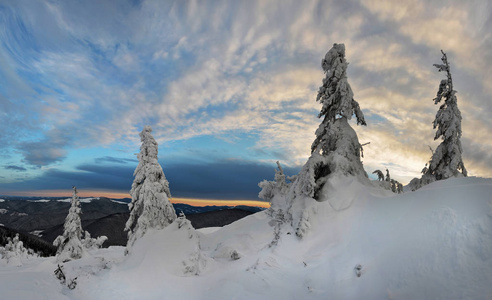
point(76, 78)
point(15, 168)
point(111, 159)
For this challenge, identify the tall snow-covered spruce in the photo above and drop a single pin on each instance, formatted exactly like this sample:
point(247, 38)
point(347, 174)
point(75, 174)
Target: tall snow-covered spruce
point(335, 153)
point(69, 243)
point(336, 148)
point(446, 160)
point(150, 206)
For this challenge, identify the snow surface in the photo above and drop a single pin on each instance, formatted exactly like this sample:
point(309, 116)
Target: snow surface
point(82, 200)
point(38, 233)
point(43, 200)
point(2, 200)
point(435, 243)
point(119, 202)
point(208, 230)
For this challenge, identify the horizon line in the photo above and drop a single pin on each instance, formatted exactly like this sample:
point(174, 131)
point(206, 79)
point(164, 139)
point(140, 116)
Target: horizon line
point(115, 195)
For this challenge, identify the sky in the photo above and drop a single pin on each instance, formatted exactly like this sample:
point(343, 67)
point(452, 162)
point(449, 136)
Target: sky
point(229, 88)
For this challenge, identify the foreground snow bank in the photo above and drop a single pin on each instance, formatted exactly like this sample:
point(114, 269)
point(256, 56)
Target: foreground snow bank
point(435, 243)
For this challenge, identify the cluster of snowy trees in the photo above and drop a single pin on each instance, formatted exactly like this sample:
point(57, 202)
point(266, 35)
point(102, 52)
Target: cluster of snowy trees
point(388, 182)
point(336, 151)
point(14, 251)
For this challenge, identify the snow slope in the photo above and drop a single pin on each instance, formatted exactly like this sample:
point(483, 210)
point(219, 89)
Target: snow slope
point(435, 243)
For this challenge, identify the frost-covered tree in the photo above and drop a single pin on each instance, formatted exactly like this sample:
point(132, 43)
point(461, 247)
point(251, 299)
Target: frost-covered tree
point(446, 161)
point(380, 175)
point(271, 188)
point(14, 251)
point(150, 206)
point(69, 244)
point(336, 148)
point(93, 243)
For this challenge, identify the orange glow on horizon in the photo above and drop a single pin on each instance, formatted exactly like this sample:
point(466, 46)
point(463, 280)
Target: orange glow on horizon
point(115, 195)
point(215, 202)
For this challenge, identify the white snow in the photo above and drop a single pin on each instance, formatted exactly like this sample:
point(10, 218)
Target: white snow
point(3, 211)
point(38, 233)
point(42, 200)
point(18, 214)
point(82, 200)
point(119, 202)
point(208, 230)
point(435, 243)
point(2, 200)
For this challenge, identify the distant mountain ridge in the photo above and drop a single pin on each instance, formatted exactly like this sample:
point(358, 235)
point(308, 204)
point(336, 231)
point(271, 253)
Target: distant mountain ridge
point(44, 216)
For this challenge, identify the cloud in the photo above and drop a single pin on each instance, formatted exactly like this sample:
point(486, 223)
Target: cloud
point(228, 179)
point(14, 168)
point(111, 159)
point(76, 78)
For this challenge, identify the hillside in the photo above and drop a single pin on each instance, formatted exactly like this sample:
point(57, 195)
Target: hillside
point(100, 216)
point(113, 225)
point(435, 243)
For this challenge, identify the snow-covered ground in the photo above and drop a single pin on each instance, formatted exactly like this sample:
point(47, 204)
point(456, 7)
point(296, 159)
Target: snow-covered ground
point(42, 200)
point(82, 200)
point(435, 243)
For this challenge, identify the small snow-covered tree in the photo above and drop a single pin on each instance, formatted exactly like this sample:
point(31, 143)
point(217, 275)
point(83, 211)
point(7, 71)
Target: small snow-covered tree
point(380, 175)
point(69, 244)
point(270, 188)
point(336, 148)
point(150, 206)
point(388, 177)
point(14, 251)
point(446, 161)
point(93, 243)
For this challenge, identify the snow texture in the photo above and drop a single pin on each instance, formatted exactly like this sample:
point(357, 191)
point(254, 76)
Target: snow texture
point(150, 206)
point(81, 200)
point(69, 243)
point(435, 243)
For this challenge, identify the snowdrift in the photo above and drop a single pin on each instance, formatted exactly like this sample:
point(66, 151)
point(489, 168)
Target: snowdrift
point(435, 243)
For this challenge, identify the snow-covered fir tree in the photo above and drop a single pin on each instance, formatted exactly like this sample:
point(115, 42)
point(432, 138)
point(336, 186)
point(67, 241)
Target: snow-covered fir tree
point(150, 206)
point(271, 188)
point(69, 243)
point(446, 160)
point(336, 148)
